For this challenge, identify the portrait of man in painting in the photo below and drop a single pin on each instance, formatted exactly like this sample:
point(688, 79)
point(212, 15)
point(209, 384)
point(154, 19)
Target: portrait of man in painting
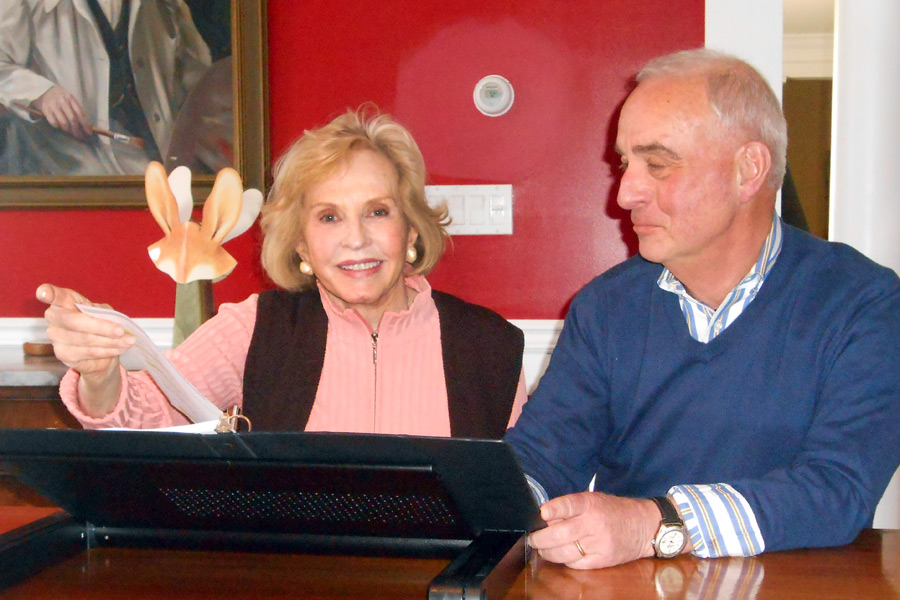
point(102, 87)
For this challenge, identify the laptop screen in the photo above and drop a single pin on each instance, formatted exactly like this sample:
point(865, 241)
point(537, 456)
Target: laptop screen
point(401, 488)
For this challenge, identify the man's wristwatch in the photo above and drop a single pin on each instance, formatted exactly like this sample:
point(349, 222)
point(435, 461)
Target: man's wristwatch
point(671, 537)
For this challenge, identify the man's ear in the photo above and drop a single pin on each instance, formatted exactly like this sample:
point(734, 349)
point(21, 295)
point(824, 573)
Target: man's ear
point(754, 161)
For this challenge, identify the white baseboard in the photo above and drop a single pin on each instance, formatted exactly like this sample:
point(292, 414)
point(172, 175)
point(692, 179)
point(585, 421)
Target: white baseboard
point(15, 332)
point(540, 338)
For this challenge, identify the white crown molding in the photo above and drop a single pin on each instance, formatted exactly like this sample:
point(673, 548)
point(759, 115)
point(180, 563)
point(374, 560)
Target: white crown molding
point(809, 55)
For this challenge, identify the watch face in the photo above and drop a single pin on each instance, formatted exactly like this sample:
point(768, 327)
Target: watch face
point(669, 581)
point(671, 542)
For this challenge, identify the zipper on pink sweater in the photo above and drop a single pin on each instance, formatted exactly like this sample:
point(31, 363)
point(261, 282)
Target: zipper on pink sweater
point(375, 380)
point(375, 348)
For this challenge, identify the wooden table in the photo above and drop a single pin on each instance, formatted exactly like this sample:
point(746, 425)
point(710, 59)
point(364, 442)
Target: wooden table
point(867, 569)
point(29, 398)
point(29, 391)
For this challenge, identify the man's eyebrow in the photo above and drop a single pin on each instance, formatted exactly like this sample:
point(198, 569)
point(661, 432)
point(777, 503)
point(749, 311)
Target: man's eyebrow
point(654, 148)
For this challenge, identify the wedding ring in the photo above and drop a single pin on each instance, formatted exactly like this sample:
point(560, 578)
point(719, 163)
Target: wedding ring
point(580, 549)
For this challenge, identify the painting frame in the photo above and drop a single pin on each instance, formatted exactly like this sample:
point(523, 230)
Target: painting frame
point(251, 148)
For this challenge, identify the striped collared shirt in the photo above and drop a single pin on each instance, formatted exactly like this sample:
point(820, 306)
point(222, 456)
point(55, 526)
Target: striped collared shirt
point(718, 518)
point(704, 322)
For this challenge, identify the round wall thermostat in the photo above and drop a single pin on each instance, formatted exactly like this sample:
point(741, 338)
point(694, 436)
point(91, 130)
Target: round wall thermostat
point(493, 95)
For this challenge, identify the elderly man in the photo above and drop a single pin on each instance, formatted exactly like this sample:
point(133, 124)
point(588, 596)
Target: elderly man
point(736, 387)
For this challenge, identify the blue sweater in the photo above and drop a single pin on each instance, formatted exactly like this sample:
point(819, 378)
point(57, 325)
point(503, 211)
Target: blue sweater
point(796, 404)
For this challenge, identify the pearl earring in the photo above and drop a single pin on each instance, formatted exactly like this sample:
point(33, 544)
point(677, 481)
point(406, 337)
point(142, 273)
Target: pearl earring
point(411, 254)
point(306, 268)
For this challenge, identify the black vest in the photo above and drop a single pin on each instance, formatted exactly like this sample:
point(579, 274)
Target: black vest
point(124, 104)
point(482, 354)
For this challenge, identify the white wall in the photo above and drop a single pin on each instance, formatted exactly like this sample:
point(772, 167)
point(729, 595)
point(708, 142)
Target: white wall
point(738, 26)
point(864, 211)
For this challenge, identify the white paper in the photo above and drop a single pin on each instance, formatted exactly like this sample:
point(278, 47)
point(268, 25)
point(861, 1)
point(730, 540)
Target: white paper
point(145, 355)
point(204, 427)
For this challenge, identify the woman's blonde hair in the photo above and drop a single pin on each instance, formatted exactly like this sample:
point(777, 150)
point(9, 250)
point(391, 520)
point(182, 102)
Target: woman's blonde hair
point(315, 157)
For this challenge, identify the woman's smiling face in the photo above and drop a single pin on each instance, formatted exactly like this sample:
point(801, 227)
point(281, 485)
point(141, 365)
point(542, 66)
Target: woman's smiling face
point(355, 237)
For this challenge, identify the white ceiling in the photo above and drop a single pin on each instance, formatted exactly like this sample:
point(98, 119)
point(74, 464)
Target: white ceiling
point(808, 16)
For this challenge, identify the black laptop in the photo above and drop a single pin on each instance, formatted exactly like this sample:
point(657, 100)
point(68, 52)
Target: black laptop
point(291, 492)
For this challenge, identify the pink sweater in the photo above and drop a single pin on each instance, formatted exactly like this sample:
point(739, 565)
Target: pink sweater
point(406, 394)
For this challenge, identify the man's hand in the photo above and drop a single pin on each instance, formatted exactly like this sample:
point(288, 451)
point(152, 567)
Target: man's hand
point(63, 111)
point(609, 529)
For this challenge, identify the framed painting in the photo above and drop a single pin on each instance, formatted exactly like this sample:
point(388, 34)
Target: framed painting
point(216, 51)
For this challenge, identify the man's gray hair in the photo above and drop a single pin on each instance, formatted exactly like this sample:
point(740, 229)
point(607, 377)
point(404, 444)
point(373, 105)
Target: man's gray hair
point(740, 97)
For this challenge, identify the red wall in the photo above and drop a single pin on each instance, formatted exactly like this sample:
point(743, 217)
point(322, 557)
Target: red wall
point(569, 62)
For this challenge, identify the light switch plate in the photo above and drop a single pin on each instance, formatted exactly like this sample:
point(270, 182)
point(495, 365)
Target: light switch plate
point(475, 209)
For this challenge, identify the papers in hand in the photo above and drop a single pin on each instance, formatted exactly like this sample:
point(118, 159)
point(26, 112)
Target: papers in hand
point(145, 355)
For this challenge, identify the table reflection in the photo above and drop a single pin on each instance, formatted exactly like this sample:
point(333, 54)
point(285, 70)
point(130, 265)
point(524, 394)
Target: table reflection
point(685, 578)
point(869, 568)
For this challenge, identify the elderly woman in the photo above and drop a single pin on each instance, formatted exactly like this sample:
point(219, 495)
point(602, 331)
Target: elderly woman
point(356, 340)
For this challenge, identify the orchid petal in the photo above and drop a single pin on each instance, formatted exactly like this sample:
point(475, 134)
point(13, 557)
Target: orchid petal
point(251, 204)
point(180, 184)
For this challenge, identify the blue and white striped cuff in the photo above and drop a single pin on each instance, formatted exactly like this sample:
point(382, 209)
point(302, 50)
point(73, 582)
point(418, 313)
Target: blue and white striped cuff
point(540, 494)
point(719, 520)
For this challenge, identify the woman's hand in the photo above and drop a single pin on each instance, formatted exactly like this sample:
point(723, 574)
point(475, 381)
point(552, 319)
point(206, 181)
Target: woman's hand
point(87, 344)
